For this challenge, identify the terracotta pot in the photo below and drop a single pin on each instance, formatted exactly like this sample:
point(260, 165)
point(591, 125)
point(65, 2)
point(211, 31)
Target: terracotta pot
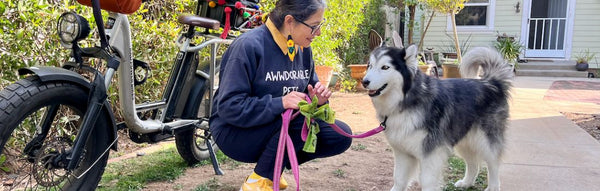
point(358, 72)
point(451, 55)
point(450, 71)
point(324, 73)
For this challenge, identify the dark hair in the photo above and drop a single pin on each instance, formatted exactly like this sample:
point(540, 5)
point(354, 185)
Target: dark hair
point(299, 9)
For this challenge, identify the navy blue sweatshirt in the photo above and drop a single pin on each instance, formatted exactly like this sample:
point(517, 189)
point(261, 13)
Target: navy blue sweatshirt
point(255, 74)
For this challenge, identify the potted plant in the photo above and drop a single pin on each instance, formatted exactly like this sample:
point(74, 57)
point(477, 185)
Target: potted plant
point(325, 64)
point(358, 71)
point(324, 73)
point(449, 50)
point(450, 7)
point(451, 58)
point(582, 60)
point(450, 68)
point(510, 48)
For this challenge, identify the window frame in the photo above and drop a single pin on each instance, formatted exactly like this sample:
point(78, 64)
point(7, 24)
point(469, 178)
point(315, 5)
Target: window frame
point(490, 14)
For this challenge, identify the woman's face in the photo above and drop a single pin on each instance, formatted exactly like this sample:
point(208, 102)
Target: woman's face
point(304, 32)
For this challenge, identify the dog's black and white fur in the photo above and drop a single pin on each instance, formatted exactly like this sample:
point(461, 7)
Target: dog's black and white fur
point(428, 118)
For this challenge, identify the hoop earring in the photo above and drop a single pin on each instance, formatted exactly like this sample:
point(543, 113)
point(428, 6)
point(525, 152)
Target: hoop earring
point(291, 47)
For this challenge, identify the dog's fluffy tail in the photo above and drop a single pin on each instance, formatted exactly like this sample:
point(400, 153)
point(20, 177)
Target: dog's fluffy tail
point(491, 62)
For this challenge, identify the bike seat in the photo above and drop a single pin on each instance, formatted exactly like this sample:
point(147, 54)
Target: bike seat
point(198, 21)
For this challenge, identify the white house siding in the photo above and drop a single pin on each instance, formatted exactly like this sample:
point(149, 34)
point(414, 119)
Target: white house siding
point(586, 30)
point(506, 20)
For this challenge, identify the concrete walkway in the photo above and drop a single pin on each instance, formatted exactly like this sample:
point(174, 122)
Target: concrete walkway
point(547, 151)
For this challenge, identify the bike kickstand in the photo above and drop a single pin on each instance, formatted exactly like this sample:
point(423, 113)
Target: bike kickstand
point(213, 158)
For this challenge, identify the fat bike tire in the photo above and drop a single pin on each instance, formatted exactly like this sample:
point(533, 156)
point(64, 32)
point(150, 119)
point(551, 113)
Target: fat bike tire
point(22, 105)
point(192, 146)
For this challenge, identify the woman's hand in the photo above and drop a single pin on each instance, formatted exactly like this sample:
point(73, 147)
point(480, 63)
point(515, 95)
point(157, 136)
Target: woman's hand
point(321, 91)
point(291, 100)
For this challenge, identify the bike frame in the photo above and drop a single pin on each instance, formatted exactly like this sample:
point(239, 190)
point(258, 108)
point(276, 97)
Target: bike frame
point(176, 96)
point(176, 114)
point(120, 41)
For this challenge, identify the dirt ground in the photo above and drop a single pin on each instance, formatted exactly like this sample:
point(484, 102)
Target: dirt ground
point(367, 165)
point(588, 122)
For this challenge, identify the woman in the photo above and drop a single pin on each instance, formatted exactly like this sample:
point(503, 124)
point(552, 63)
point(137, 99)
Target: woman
point(264, 72)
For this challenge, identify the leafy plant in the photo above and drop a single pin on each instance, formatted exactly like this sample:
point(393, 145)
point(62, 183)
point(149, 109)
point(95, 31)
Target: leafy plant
point(348, 85)
point(358, 147)
point(450, 48)
point(450, 7)
point(343, 20)
point(421, 60)
point(2, 161)
point(584, 56)
point(509, 47)
point(356, 49)
point(339, 173)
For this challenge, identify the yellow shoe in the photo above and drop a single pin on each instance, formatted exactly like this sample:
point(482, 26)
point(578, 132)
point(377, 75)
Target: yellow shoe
point(282, 183)
point(255, 182)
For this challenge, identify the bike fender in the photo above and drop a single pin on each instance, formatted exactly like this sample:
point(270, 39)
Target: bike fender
point(50, 74)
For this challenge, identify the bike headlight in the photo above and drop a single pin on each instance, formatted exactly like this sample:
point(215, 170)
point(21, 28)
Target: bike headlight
point(72, 28)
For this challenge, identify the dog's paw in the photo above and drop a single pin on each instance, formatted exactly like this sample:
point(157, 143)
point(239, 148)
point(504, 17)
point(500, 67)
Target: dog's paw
point(492, 189)
point(414, 186)
point(462, 184)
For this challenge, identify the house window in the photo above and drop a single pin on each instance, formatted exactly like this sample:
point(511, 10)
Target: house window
point(476, 16)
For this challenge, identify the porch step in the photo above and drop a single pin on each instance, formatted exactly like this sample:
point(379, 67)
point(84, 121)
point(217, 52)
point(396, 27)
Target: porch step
point(553, 73)
point(550, 69)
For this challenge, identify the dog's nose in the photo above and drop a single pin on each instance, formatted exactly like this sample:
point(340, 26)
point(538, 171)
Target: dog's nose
point(365, 83)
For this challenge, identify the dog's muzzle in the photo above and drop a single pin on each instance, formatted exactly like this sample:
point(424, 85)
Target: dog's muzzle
point(373, 93)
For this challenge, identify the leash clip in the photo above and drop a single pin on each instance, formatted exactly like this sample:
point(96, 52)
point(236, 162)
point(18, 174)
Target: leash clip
point(382, 124)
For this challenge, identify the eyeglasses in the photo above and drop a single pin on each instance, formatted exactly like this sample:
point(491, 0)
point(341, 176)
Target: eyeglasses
point(313, 29)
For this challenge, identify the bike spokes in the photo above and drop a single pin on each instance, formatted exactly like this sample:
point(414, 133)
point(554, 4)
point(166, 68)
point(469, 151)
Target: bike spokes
point(36, 152)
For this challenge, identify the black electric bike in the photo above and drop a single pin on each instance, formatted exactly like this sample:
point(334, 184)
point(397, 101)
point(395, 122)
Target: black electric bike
point(57, 127)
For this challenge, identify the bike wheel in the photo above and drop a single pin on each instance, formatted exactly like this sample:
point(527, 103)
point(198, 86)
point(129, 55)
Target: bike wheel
point(38, 125)
point(192, 144)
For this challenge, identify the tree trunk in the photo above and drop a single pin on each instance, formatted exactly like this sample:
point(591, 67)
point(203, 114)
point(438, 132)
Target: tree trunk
point(425, 31)
point(456, 44)
point(411, 22)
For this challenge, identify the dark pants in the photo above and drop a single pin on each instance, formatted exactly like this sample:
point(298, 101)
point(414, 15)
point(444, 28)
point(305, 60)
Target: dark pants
point(259, 145)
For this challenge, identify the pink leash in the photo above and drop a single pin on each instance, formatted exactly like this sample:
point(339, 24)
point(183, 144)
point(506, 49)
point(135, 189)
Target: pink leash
point(286, 141)
point(284, 138)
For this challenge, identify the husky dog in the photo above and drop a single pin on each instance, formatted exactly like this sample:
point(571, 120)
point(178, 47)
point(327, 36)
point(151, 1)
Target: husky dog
point(428, 118)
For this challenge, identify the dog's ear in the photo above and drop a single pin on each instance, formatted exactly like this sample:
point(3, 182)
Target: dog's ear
point(397, 39)
point(411, 52)
point(410, 58)
point(375, 40)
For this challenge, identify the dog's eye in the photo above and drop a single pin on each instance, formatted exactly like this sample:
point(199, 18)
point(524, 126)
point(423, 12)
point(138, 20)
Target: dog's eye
point(385, 67)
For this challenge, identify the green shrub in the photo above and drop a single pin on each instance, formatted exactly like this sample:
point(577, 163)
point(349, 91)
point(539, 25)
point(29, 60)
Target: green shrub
point(344, 18)
point(28, 36)
point(356, 50)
